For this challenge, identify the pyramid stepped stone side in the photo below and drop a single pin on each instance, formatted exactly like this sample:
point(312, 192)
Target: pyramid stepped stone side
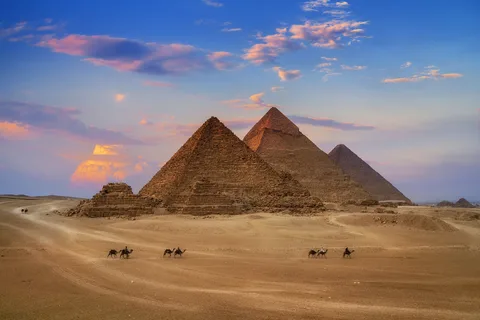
point(365, 175)
point(215, 172)
point(279, 142)
point(115, 199)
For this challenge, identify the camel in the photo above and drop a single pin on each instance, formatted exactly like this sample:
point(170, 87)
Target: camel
point(179, 252)
point(347, 252)
point(112, 253)
point(125, 252)
point(312, 253)
point(169, 252)
point(322, 253)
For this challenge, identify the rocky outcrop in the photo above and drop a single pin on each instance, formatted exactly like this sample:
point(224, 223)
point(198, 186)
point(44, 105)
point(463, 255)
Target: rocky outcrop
point(215, 172)
point(115, 199)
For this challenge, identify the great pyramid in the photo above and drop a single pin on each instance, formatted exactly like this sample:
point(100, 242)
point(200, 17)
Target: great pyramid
point(215, 172)
point(279, 141)
point(365, 175)
point(463, 203)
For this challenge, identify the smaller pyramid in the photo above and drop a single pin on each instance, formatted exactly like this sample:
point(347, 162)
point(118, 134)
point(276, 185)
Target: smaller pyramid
point(280, 143)
point(215, 172)
point(463, 203)
point(365, 175)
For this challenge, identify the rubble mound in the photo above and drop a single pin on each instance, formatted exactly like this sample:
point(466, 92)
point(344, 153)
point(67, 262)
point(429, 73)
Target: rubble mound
point(278, 141)
point(365, 175)
point(445, 204)
point(115, 199)
point(215, 172)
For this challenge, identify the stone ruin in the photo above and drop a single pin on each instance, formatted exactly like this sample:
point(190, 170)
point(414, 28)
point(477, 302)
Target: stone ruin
point(115, 199)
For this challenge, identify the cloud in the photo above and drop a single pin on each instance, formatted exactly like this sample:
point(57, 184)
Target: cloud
point(212, 3)
point(24, 38)
point(54, 119)
point(329, 59)
point(353, 68)
point(428, 74)
point(328, 34)
point(159, 84)
point(406, 65)
point(222, 60)
point(145, 122)
point(324, 122)
point(272, 46)
point(13, 130)
point(18, 27)
point(276, 89)
point(107, 163)
point(322, 65)
point(287, 75)
point(314, 5)
point(255, 101)
point(132, 55)
point(119, 97)
point(231, 29)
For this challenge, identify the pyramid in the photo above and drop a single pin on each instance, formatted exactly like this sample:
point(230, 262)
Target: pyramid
point(215, 172)
point(279, 142)
point(365, 175)
point(463, 203)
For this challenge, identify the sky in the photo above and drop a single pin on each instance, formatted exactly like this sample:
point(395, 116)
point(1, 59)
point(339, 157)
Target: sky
point(102, 91)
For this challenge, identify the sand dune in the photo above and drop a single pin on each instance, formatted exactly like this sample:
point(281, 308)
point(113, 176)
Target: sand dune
point(238, 267)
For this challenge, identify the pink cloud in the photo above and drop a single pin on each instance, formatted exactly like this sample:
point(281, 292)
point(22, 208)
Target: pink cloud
point(428, 74)
point(157, 84)
point(273, 46)
point(287, 75)
point(328, 34)
point(136, 56)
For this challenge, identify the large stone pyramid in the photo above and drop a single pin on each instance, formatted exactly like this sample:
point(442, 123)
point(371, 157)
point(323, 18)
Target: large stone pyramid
point(364, 174)
point(215, 172)
point(279, 141)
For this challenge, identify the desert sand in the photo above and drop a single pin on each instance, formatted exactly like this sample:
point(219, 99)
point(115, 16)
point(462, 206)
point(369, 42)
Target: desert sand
point(255, 266)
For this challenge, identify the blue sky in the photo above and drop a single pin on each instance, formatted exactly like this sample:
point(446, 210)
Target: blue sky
point(92, 92)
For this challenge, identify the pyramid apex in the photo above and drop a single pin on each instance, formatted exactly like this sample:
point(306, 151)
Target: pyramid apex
point(275, 120)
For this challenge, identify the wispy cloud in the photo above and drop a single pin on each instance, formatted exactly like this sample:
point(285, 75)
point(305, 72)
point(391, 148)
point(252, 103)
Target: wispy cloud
point(329, 59)
point(135, 56)
point(287, 75)
point(54, 119)
point(353, 68)
point(255, 101)
point(322, 65)
point(212, 3)
point(159, 84)
point(276, 89)
point(119, 97)
point(18, 27)
point(145, 122)
point(231, 29)
point(330, 123)
point(406, 65)
point(315, 5)
point(428, 74)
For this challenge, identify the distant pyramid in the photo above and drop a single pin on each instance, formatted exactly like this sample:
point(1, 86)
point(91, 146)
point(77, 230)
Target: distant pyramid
point(463, 203)
point(279, 141)
point(361, 172)
point(215, 172)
